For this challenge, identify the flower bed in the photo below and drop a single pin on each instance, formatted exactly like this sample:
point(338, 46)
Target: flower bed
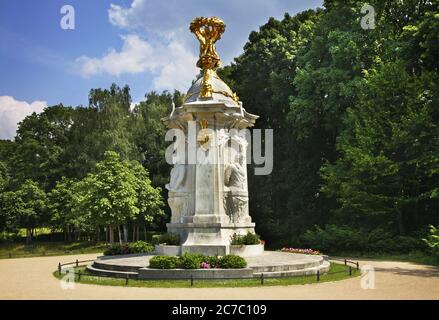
point(197, 261)
point(301, 251)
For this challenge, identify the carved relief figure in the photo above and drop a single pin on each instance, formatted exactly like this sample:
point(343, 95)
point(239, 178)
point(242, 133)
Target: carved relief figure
point(235, 197)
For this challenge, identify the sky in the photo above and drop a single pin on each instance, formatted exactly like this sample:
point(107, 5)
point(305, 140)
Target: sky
point(145, 44)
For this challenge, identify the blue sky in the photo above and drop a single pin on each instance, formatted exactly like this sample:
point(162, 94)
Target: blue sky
point(143, 43)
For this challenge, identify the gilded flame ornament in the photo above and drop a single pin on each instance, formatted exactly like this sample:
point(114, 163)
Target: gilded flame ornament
point(208, 31)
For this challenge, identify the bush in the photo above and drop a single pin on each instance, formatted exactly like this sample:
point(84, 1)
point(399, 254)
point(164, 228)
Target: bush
point(164, 262)
point(195, 261)
point(343, 239)
point(432, 241)
point(117, 249)
point(232, 262)
point(135, 247)
point(167, 238)
point(190, 261)
point(140, 247)
point(248, 239)
point(213, 261)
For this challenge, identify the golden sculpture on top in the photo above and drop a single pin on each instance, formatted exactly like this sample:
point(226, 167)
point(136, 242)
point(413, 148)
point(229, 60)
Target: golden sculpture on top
point(208, 31)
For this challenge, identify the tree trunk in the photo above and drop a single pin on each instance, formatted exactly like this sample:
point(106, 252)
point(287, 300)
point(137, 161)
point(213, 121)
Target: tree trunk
point(138, 233)
point(69, 234)
point(28, 236)
point(120, 235)
point(125, 233)
point(134, 231)
point(111, 234)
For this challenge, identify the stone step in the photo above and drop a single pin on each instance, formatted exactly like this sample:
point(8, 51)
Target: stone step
point(115, 267)
point(324, 267)
point(111, 273)
point(285, 267)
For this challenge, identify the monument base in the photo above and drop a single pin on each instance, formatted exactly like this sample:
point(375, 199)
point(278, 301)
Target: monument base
point(210, 238)
point(211, 250)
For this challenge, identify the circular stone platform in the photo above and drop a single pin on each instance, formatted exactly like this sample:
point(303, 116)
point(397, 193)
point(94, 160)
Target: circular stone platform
point(270, 263)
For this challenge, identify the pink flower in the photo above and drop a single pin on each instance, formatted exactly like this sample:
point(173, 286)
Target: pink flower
point(205, 265)
point(301, 251)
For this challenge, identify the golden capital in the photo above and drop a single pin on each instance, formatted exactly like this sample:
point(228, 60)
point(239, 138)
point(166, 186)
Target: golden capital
point(208, 31)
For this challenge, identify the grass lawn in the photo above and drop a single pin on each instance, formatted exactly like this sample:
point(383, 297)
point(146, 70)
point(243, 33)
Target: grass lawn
point(39, 249)
point(337, 272)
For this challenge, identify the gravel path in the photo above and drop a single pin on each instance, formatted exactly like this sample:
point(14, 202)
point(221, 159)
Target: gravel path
point(31, 278)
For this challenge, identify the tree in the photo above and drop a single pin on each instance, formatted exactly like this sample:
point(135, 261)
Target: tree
point(63, 201)
point(39, 146)
point(25, 208)
point(114, 195)
point(388, 174)
point(263, 78)
point(149, 199)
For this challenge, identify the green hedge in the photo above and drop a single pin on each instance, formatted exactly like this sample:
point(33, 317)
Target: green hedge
point(134, 247)
point(164, 262)
point(195, 261)
point(248, 239)
point(333, 239)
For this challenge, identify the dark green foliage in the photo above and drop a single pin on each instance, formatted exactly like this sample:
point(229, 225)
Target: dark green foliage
point(140, 247)
point(213, 261)
point(193, 261)
point(130, 248)
point(333, 239)
point(190, 261)
point(164, 262)
point(248, 239)
point(432, 241)
point(232, 262)
point(117, 249)
point(170, 239)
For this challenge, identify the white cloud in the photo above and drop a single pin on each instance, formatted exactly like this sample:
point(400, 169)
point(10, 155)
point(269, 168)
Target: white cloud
point(13, 111)
point(170, 53)
point(172, 65)
point(161, 17)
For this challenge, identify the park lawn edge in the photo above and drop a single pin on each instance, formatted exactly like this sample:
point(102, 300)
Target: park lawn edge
point(198, 283)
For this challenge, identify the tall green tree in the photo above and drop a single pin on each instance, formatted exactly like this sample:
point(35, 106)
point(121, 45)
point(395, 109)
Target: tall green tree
point(25, 208)
point(263, 77)
point(39, 146)
point(114, 195)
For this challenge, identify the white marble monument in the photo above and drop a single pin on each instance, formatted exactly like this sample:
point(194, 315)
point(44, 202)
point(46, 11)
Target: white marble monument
point(208, 192)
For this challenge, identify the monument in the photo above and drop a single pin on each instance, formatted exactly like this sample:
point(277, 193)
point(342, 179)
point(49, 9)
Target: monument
point(208, 192)
point(209, 196)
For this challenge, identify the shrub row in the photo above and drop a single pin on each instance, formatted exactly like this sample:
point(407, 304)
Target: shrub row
point(248, 239)
point(197, 261)
point(130, 248)
point(333, 239)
